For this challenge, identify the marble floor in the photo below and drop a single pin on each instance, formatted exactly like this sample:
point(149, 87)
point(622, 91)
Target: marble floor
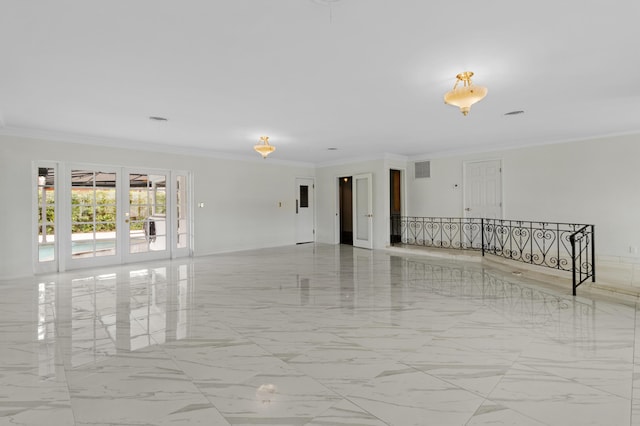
point(312, 335)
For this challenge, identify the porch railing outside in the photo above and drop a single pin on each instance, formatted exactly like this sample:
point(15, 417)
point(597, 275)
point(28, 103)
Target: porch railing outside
point(562, 246)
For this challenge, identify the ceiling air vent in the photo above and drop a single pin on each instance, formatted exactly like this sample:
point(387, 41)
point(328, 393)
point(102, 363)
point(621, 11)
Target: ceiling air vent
point(423, 169)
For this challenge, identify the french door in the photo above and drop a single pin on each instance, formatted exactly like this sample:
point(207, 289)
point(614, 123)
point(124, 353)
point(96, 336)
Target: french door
point(156, 215)
point(101, 215)
point(146, 215)
point(89, 224)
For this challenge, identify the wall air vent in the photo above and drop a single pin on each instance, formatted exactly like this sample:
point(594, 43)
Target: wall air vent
point(422, 169)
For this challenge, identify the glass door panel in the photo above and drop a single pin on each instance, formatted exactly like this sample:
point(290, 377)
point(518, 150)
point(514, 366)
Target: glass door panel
point(362, 211)
point(93, 214)
point(147, 214)
point(182, 213)
point(46, 214)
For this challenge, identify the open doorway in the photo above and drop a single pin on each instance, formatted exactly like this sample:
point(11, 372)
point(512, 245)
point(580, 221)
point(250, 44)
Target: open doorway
point(395, 205)
point(346, 209)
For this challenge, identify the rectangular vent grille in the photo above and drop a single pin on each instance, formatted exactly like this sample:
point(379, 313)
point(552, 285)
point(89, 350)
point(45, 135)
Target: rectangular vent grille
point(423, 169)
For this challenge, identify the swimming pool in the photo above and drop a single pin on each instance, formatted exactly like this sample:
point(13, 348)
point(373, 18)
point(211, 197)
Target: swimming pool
point(79, 249)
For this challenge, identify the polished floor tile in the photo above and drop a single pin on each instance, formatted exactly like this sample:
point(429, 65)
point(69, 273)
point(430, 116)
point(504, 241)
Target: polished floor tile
point(313, 335)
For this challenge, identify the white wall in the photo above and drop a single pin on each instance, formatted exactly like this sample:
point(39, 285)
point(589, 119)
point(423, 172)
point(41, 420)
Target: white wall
point(241, 197)
point(592, 181)
point(327, 193)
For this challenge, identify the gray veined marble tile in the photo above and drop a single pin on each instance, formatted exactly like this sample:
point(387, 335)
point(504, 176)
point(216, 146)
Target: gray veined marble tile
point(312, 335)
point(345, 367)
point(278, 398)
point(460, 365)
point(491, 414)
point(550, 399)
point(136, 388)
point(605, 364)
point(29, 397)
point(345, 413)
point(411, 397)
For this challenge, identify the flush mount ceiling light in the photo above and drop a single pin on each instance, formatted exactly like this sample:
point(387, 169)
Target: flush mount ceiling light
point(264, 148)
point(466, 95)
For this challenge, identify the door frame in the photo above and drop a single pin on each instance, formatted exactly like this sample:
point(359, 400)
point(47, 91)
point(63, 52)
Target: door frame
point(403, 197)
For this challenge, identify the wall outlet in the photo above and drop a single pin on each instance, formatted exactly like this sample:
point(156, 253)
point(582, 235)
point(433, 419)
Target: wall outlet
point(633, 249)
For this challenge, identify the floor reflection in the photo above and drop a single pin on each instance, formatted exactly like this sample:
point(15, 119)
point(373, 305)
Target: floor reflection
point(96, 315)
point(312, 334)
point(522, 304)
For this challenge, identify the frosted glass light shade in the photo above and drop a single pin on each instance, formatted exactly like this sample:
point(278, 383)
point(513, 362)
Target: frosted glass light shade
point(466, 95)
point(264, 148)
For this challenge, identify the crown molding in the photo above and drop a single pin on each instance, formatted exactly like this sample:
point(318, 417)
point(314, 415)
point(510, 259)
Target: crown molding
point(363, 158)
point(510, 147)
point(137, 145)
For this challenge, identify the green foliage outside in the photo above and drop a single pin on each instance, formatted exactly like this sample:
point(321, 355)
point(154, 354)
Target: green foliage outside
point(84, 212)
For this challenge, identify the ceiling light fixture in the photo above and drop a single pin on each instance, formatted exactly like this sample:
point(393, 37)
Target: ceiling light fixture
point(466, 95)
point(264, 148)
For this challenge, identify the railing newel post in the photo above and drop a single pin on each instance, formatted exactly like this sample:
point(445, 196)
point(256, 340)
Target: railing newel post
point(593, 253)
point(482, 234)
point(572, 240)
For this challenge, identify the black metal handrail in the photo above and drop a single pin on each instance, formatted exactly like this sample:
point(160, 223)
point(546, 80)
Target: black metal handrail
point(562, 246)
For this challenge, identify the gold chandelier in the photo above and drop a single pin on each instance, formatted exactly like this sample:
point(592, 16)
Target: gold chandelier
point(264, 148)
point(466, 95)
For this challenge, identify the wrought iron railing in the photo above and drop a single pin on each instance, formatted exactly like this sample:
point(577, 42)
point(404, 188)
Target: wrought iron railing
point(562, 246)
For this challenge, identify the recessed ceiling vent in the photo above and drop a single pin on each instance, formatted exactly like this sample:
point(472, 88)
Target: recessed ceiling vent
point(422, 169)
point(327, 2)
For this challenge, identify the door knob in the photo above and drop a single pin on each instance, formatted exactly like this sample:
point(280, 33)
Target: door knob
point(468, 209)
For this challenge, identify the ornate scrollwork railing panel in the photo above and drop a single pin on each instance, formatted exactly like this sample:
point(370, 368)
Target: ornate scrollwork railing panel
point(562, 246)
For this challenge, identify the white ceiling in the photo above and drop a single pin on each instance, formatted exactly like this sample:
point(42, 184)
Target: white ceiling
point(364, 76)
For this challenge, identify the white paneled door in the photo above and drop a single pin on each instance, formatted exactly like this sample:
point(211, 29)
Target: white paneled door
point(305, 208)
point(362, 211)
point(483, 189)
